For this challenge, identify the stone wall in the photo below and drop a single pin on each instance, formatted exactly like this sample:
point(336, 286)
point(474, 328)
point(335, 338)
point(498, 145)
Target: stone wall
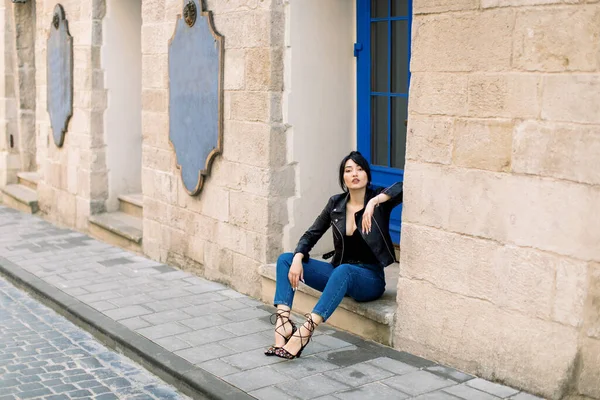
point(501, 239)
point(236, 222)
point(9, 139)
point(73, 177)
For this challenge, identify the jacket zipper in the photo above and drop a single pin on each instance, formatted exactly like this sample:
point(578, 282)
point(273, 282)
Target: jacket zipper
point(384, 241)
point(342, 239)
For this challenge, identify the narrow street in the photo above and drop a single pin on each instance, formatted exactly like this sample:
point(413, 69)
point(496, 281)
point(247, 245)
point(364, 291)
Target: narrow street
point(44, 356)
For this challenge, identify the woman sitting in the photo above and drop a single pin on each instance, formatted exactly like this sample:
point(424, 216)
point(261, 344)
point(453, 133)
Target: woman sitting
point(363, 248)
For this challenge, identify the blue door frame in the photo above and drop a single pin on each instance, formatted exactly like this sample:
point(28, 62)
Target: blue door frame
point(382, 175)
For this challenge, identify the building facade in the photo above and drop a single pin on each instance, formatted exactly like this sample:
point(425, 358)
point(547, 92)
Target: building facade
point(497, 142)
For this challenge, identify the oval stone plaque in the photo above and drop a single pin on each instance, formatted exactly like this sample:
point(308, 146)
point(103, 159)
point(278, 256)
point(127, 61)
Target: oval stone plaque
point(195, 94)
point(60, 75)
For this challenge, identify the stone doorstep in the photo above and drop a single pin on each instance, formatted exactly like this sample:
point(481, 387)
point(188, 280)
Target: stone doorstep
point(29, 179)
point(20, 197)
point(132, 204)
point(372, 320)
point(119, 229)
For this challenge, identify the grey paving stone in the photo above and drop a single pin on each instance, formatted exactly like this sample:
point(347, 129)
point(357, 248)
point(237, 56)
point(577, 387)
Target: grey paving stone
point(271, 393)
point(102, 305)
point(416, 383)
point(135, 323)
point(197, 355)
point(164, 268)
point(437, 395)
point(197, 299)
point(175, 275)
point(525, 396)
point(330, 342)
point(168, 294)
point(256, 378)
point(94, 297)
point(450, 373)
point(163, 330)
point(244, 343)
point(303, 367)
point(372, 391)
point(204, 309)
point(172, 343)
point(219, 368)
point(346, 356)
point(166, 316)
point(103, 287)
point(397, 367)
point(234, 304)
point(492, 388)
point(204, 336)
point(196, 280)
point(359, 374)
point(247, 327)
point(206, 321)
point(115, 261)
point(250, 359)
point(312, 386)
point(127, 312)
point(130, 300)
point(468, 393)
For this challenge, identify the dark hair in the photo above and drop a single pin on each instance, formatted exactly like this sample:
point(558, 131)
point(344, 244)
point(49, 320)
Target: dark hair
point(360, 161)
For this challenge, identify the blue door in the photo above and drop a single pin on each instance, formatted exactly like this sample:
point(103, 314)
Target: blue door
point(383, 76)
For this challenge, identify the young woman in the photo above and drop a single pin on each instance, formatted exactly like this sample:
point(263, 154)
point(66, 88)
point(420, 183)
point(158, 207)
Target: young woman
point(360, 218)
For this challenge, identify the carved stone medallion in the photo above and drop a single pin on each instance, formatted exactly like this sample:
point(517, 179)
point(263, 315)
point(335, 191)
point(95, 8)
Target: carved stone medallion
point(196, 96)
point(60, 75)
point(190, 13)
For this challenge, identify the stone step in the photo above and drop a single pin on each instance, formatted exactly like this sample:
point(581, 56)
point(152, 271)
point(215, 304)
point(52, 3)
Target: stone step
point(21, 198)
point(372, 320)
point(132, 204)
point(119, 229)
point(29, 179)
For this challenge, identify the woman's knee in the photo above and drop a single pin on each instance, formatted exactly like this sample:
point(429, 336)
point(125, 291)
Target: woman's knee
point(285, 260)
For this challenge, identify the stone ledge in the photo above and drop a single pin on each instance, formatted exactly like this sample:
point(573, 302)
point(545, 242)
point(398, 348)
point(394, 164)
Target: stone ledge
point(373, 320)
point(21, 197)
point(120, 224)
point(29, 179)
point(132, 204)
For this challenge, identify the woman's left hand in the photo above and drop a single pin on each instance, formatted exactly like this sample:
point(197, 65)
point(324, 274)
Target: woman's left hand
point(368, 216)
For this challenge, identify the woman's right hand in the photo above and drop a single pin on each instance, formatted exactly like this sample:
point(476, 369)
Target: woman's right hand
point(296, 273)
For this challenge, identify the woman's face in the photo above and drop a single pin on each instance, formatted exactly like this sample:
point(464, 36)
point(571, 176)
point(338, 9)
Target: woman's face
point(354, 176)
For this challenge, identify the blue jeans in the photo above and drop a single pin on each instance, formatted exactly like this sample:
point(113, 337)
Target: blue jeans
point(362, 283)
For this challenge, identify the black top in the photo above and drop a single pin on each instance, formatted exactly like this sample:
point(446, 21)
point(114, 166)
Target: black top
point(356, 250)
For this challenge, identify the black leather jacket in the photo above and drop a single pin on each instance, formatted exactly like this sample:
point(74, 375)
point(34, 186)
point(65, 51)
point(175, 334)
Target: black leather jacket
point(334, 214)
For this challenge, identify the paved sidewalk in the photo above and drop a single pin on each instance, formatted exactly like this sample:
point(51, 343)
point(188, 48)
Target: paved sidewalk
point(42, 355)
point(205, 337)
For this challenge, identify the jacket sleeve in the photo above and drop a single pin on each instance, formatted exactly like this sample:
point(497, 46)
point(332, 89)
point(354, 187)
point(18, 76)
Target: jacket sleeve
point(396, 194)
point(315, 232)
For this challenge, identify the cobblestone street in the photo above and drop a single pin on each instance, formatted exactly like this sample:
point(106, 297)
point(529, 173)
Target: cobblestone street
point(42, 355)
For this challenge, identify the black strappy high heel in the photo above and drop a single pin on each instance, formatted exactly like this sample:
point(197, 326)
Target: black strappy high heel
point(283, 316)
point(283, 353)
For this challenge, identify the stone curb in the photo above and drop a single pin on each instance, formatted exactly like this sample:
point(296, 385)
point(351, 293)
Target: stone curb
point(191, 380)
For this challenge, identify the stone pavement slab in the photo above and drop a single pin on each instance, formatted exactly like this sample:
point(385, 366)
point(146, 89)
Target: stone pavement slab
point(200, 334)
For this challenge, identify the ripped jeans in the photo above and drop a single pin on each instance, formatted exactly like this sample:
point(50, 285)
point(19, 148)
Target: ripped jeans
point(362, 283)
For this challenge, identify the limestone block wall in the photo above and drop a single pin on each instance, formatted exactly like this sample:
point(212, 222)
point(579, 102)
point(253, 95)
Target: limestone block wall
point(73, 178)
point(500, 272)
point(9, 139)
point(236, 222)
